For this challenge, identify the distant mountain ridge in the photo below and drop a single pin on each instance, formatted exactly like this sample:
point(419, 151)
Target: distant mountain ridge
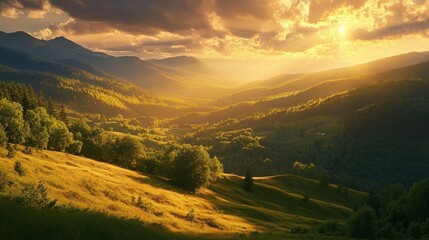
point(161, 78)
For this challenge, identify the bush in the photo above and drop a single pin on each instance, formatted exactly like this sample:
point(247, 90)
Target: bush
point(191, 216)
point(4, 180)
point(332, 228)
point(142, 204)
point(19, 168)
point(35, 196)
point(11, 151)
point(27, 150)
point(362, 223)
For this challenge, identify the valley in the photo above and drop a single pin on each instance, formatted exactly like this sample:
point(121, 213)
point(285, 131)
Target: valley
point(172, 148)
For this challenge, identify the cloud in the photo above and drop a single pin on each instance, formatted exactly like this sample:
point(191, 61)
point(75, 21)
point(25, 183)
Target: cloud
point(141, 17)
point(228, 27)
point(393, 31)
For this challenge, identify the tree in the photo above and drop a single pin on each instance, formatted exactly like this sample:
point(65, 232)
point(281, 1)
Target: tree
point(60, 138)
point(3, 136)
point(63, 114)
point(191, 167)
point(362, 223)
point(248, 181)
point(11, 118)
point(123, 151)
point(418, 199)
point(51, 108)
point(75, 147)
point(39, 123)
point(414, 230)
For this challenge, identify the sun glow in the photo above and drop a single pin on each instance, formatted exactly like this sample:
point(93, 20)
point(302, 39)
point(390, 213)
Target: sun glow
point(342, 29)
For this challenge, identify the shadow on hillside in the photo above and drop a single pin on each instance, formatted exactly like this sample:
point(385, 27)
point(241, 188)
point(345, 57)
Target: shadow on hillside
point(158, 182)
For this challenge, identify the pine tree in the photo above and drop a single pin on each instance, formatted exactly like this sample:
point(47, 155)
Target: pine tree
point(51, 108)
point(63, 114)
point(248, 181)
point(41, 101)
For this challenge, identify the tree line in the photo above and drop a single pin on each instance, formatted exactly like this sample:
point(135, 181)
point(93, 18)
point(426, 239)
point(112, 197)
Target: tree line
point(43, 126)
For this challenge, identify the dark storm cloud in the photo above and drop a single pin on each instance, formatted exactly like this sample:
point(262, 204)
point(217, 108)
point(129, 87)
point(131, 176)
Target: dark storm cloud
point(259, 9)
point(22, 4)
point(393, 31)
point(137, 16)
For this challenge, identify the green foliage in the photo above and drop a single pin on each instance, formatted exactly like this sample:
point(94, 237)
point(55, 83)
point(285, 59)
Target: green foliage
point(3, 136)
point(332, 228)
point(35, 196)
point(235, 149)
point(418, 199)
point(19, 168)
point(46, 131)
point(4, 180)
point(248, 181)
point(414, 230)
point(11, 151)
point(362, 224)
point(75, 147)
point(11, 118)
point(125, 151)
point(192, 167)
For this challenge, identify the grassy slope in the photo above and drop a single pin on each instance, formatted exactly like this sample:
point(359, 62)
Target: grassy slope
point(275, 206)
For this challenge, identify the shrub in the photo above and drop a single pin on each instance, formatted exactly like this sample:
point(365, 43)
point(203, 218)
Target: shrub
point(19, 168)
point(142, 204)
point(332, 228)
point(191, 216)
point(28, 150)
point(4, 180)
point(36, 196)
point(11, 152)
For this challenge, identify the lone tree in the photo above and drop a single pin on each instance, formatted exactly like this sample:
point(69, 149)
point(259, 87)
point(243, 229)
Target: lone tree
point(193, 167)
point(248, 181)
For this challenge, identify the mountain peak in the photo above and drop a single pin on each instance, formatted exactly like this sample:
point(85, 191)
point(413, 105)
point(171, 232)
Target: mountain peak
point(21, 35)
point(178, 61)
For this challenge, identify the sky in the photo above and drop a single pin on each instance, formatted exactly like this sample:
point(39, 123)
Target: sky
point(319, 31)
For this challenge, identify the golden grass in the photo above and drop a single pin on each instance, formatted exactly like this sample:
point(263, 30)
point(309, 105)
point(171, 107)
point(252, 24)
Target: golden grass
point(222, 208)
